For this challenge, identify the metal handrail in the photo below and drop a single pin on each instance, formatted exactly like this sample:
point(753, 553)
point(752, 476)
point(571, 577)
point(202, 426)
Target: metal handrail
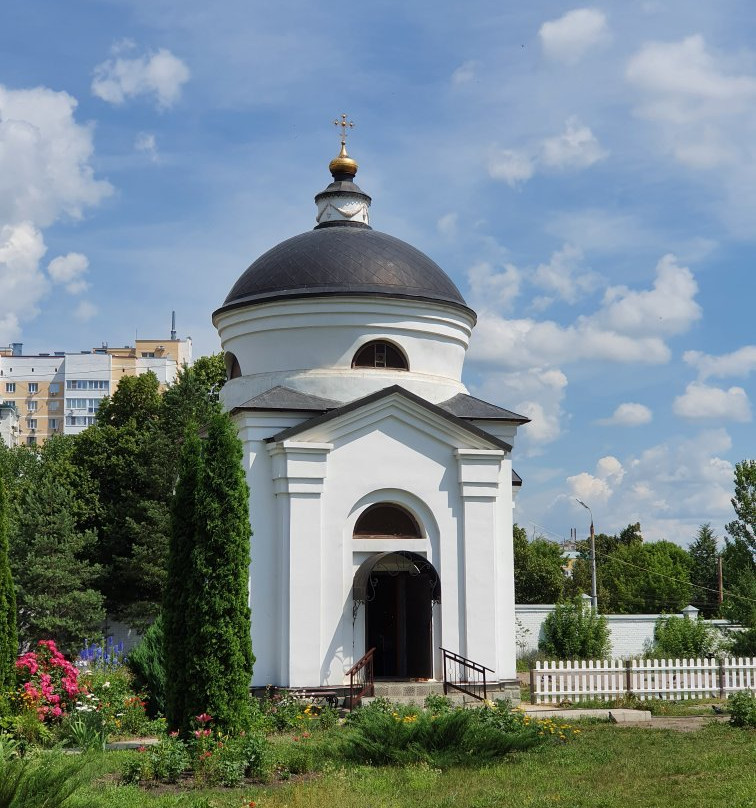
point(361, 679)
point(463, 681)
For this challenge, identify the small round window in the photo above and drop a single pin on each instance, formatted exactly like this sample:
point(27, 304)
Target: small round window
point(380, 355)
point(233, 368)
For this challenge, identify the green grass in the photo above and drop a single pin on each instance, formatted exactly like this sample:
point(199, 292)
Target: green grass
point(605, 767)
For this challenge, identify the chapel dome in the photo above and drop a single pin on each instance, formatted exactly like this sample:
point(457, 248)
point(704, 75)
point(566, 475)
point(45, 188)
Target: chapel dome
point(343, 259)
point(343, 256)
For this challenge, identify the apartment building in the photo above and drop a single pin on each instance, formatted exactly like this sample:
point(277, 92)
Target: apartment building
point(59, 393)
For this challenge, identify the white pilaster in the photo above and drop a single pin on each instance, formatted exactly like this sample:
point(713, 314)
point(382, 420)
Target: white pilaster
point(299, 472)
point(479, 477)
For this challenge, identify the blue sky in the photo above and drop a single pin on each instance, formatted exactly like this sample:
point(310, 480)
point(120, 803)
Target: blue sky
point(585, 174)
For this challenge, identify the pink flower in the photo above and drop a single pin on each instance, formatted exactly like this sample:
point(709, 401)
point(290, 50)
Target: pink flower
point(204, 718)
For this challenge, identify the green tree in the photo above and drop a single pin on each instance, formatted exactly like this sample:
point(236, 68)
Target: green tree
point(646, 578)
point(703, 571)
point(739, 582)
point(682, 638)
point(538, 569)
point(123, 457)
point(739, 555)
point(8, 631)
point(55, 581)
point(574, 631)
point(180, 580)
point(743, 527)
point(219, 649)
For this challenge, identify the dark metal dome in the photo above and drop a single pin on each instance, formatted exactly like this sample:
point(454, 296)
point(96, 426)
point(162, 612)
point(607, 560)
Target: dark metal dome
point(343, 259)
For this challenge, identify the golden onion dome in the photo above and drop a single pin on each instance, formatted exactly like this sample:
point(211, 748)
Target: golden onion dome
point(343, 164)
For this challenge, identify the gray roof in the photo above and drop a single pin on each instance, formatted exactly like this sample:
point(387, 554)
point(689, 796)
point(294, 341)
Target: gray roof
point(285, 398)
point(388, 391)
point(343, 259)
point(516, 479)
point(464, 406)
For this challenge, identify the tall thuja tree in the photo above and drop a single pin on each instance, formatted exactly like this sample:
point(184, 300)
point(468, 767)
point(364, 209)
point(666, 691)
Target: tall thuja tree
point(219, 647)
point(180, 580)
point(8, 632)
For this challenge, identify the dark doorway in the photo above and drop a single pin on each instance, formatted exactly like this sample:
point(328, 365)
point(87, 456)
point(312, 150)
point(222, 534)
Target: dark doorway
point(399, 621)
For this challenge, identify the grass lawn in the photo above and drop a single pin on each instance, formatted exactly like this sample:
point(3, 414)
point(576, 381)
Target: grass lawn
point(607, 766)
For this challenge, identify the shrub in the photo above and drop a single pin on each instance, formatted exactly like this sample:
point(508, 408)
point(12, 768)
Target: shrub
point(110, 693)
point(48, 681)
point(743, 643)
point(575, 631)
point(742, 709)
point(147, 662)
point(168, 759)
point(47, 780)
point(440, 739)
point(679, 638)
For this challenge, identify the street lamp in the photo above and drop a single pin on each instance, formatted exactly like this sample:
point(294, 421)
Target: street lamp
point(594, 594)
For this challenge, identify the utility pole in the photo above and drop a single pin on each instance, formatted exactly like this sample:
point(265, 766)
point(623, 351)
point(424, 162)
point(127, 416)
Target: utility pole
point(720, 594)
point(594, 592)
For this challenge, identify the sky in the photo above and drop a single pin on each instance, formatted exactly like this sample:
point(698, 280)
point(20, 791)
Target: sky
point(585, 174)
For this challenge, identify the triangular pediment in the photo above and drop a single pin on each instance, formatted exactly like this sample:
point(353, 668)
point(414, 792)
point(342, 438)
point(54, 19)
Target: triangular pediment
point(392, 403)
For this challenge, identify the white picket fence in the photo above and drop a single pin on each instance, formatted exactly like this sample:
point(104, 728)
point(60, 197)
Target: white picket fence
point(670, 679)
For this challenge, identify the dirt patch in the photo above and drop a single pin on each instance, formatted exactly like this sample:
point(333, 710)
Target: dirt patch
point(684, 723)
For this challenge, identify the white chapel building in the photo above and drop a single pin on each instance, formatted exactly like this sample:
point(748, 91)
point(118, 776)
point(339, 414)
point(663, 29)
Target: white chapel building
point(381, 492)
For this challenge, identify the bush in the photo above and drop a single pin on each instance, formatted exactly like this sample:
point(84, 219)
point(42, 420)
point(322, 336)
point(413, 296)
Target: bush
point(111, 694)
point(574, 631)
point(680, 638)
point(47, 780)
point(48, 681)
point(742, 709)
point(147, 662)
point(743, 643)
point(407, 736)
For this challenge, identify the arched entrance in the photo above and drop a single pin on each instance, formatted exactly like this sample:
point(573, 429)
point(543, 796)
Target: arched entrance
point(398, 590)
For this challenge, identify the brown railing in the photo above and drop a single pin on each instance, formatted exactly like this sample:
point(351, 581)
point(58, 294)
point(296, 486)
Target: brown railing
point(464, 675)
point(361, 681)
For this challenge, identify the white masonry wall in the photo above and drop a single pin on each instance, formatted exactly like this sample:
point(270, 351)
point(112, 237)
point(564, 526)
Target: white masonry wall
point(630, 633)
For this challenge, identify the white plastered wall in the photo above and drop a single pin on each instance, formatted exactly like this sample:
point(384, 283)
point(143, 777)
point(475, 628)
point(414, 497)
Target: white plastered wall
point(306, 495)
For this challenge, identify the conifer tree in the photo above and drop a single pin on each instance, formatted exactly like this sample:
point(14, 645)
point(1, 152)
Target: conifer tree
point(8, 631)
point(703, 571)
point(180, 579)
point(218, 648)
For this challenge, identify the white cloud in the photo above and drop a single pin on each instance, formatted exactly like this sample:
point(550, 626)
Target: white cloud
point(145, 142)
point(569, 38)
point(702, 102)
point(741, 362)
point(537, 393)
point(628, 414)
point(686, 83)
point(526, 342)
point(575, 148)
point(668, 308)
point(511, 166)
point(159, 74)
point(44, 158)
point(447, 225)
point(68, 270)
point(562, 276)
point(700, 401)
point(85, 311)
point(22, 283)
point(489, 287)
point(670, 488)
point(464, 74)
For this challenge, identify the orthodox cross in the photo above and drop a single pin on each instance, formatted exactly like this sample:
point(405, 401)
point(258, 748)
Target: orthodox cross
point(344, 124)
